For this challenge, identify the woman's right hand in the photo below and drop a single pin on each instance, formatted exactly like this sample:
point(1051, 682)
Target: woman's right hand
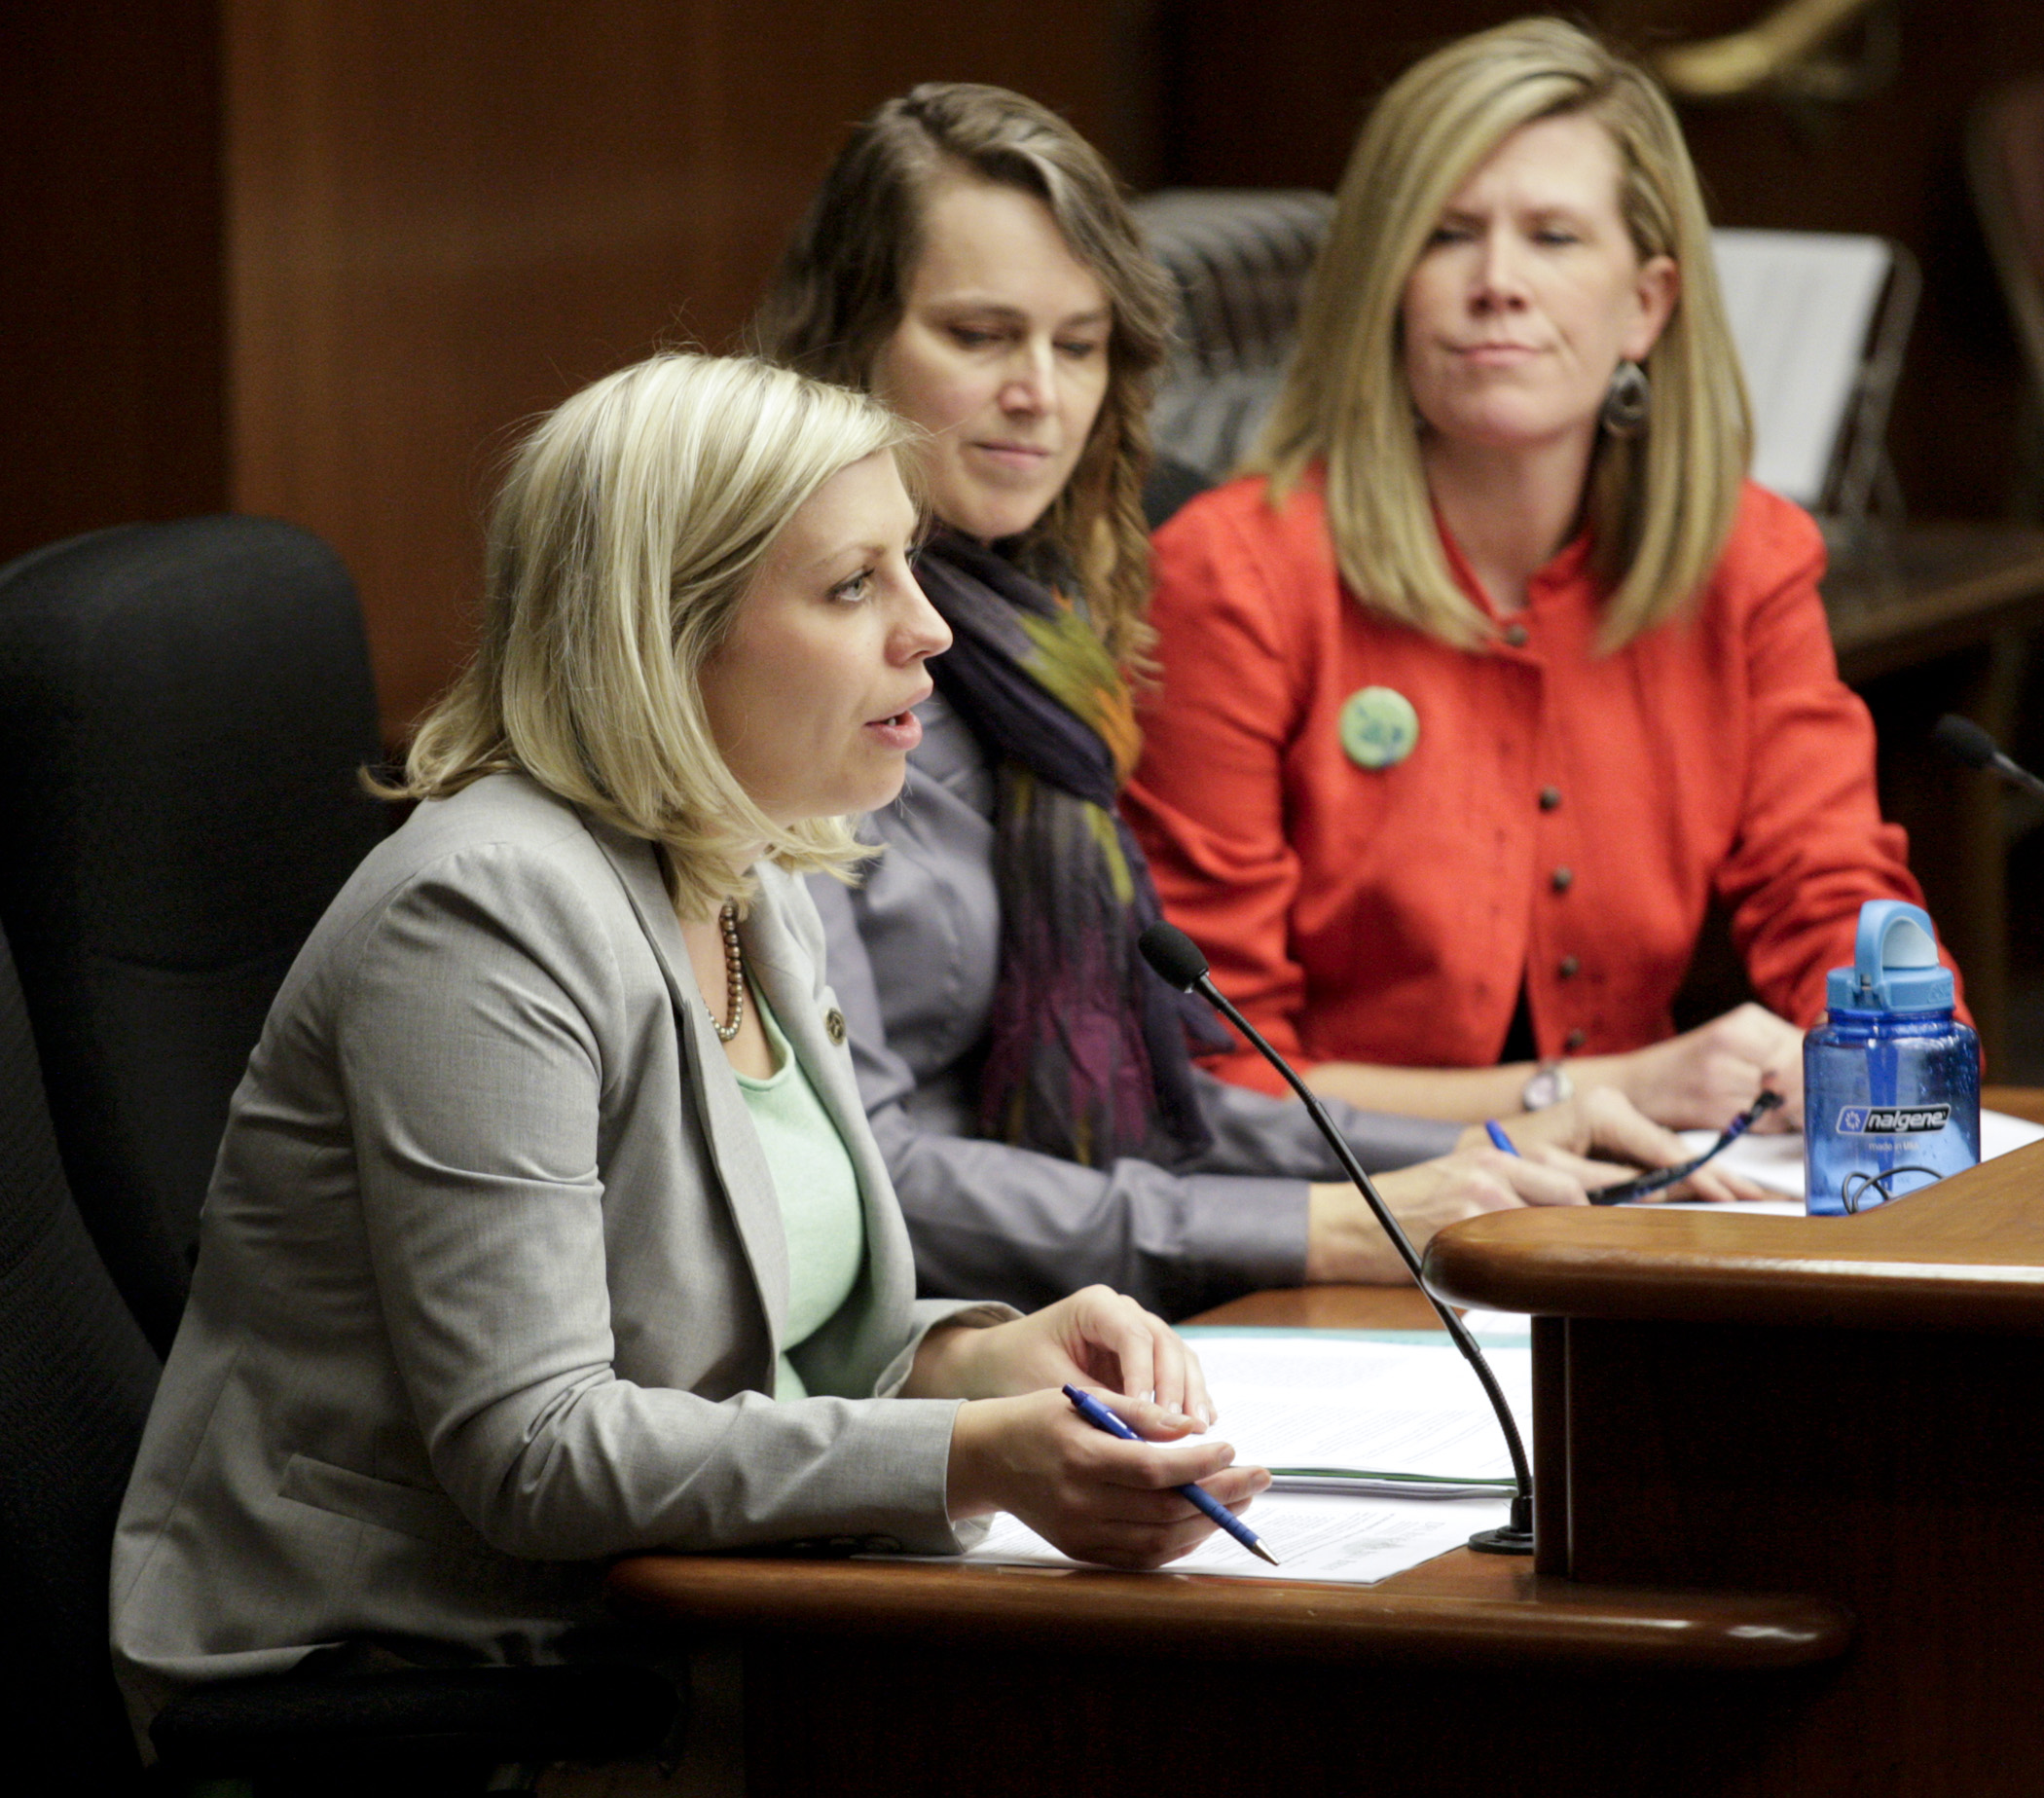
point(1596, 1138)
point(1600, 1135)
point(1344, 1243)
point(1087, 1493)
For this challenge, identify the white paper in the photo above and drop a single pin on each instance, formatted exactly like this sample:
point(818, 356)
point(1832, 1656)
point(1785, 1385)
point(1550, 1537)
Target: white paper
point(1776, 1162)
point(1506, 1327)
point(1295, 1401)
point(1324, 1400)
point(1345, 1541)
point(1800, 304)
point(1745, 1207)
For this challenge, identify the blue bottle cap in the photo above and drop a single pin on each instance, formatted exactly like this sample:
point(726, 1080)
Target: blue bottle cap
point(1894, 964)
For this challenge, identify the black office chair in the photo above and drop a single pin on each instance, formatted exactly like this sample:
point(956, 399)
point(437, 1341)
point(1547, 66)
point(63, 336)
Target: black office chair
point(76, 1379)
point(183, 709)
point(1240, 259)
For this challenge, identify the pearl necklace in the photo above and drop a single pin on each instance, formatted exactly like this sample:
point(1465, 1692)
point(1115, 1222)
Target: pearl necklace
point(734, 979)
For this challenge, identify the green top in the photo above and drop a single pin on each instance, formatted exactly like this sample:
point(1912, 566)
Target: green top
point(814, 1179)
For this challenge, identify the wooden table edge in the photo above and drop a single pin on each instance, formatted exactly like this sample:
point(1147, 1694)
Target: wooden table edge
point(1967, 1253)
point(1481, 1609)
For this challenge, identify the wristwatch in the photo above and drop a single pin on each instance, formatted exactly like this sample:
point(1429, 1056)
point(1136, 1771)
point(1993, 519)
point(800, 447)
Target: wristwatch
point(1549, 1085)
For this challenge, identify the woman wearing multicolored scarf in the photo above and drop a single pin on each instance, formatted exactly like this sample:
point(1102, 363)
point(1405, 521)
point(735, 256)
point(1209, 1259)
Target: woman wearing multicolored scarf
point(968, 258)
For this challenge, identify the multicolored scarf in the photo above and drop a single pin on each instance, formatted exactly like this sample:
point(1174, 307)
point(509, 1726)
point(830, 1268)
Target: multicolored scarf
point(1090, 1058)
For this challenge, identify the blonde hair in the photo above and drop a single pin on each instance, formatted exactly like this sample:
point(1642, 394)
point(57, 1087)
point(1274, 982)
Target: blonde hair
point(1660, 505)
point(626, 534)
point(844, 280)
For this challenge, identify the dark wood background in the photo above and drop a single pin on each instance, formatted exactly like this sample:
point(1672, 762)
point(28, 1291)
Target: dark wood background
point(316, 259)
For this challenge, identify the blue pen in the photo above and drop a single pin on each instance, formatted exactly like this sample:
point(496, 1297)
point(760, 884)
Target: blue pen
point(1101, 1418)
point(1498, 1136)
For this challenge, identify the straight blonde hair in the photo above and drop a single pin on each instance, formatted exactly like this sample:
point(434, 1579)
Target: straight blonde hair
point(842, 282)
point(1660, 505)
point(630, 525)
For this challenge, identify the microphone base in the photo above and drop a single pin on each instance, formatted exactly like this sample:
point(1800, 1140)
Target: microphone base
point(1502, 1540)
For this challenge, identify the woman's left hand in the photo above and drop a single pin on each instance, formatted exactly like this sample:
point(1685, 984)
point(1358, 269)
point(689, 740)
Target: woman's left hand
point(1095, 1338)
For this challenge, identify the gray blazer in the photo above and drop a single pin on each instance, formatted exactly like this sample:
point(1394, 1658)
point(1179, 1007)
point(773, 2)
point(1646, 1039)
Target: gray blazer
point(914, 953)
point(492, 1279)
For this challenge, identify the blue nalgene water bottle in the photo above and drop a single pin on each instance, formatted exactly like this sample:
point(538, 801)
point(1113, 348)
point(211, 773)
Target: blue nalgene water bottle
point(1890, 1078)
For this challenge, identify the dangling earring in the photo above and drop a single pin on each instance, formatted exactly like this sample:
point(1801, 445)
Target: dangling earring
point(1625, 402)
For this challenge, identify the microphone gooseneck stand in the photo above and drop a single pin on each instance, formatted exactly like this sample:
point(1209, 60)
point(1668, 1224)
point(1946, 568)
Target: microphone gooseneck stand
point(1176, 959)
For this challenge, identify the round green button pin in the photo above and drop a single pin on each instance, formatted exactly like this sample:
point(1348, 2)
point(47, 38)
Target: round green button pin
point(1378, 727)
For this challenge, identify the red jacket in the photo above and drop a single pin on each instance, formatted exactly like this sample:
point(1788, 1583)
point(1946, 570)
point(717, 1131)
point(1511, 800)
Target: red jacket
point(1562, 819)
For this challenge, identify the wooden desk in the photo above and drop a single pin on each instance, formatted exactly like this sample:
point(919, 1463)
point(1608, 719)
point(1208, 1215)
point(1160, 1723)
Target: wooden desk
point(1949, 588)
point(1667, 1640)
point(863, 1678)
point(1942, 629)
point(1733, 1400)
point(895, 1680)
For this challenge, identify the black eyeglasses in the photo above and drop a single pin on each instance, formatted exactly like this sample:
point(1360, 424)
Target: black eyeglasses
point(1643, 1183)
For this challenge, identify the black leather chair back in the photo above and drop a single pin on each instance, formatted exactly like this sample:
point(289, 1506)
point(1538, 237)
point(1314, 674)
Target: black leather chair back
point(1240, 259)
point(76, 1379)
point(183, 709)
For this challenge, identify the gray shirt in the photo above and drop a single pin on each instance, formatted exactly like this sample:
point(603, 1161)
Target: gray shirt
point(914, 954)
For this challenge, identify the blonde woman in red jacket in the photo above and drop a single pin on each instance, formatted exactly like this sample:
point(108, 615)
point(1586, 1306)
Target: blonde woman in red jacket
point(1494, 668)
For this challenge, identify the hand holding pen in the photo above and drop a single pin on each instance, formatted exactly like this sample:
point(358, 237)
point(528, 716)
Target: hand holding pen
point(1661, 1177)
point(1018, 1446)
point(1595, 1139)
point(1657, 1178)
point(1101, 1418)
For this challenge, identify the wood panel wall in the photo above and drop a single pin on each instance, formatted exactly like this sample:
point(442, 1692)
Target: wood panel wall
point(316, 258)
point(446, 218)
point(110, 302)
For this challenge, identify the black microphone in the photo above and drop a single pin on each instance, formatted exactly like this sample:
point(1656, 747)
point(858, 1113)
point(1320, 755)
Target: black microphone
point(1176, 961)
point(1976, 750)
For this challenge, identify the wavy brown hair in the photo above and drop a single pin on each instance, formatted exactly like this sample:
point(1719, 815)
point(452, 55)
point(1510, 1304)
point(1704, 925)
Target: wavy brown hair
point(842, 284)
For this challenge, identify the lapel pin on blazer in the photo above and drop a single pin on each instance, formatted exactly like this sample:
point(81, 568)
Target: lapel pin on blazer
point(1379, 727)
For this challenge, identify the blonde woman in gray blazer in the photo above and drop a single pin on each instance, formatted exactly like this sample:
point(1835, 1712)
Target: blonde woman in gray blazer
point(494, 1279)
